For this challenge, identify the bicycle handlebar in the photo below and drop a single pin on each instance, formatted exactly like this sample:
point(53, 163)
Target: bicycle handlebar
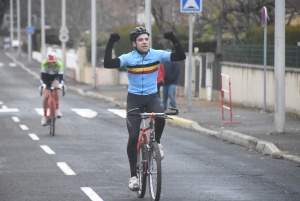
point(52, 89)
point(147, 115)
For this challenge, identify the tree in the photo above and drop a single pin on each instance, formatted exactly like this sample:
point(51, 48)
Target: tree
point(4, 4)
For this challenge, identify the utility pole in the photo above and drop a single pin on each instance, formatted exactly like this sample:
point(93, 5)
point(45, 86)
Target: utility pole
point(191, 22)
point(29, 49)
point(94, 42)
point(148, 19)
point(19, 27)
point(279, 65)
point(63, 36)
point(11, 25)
point(43, 29)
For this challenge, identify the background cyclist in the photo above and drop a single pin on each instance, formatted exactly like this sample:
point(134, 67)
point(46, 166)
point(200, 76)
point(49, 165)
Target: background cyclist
point(51, 75)
point(142, 67)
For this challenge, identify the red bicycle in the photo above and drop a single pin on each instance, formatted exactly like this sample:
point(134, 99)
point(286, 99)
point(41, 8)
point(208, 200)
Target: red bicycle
point(148, 155)
point(51, 106)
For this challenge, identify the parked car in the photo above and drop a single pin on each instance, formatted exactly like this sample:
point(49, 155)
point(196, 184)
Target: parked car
point(16, 43)
point(6, 43)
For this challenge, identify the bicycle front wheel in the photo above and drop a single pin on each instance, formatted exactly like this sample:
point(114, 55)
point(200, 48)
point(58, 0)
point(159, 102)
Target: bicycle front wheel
point(52, 120)
point(141, 170)
point(154, 168)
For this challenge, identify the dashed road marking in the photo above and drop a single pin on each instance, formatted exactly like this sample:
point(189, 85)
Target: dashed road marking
point(119, 112)
point(65, 168)
point(24, 127)
point(91, 194)
point(16, 119)
point(47, 149)
point(12, 64)
point(33, 136)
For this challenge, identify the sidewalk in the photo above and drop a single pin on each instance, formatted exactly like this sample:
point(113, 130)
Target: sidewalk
point(255, 131)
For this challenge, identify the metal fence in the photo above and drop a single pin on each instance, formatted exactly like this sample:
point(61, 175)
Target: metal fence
point(254, 54)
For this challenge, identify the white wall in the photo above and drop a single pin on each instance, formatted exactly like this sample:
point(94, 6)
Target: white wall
point(247, 86)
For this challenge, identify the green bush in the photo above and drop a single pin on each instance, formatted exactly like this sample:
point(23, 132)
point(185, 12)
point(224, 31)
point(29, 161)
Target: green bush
point(101, 40)
point(255, 36)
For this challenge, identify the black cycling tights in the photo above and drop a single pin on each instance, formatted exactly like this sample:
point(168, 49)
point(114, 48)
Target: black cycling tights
point(150, 103)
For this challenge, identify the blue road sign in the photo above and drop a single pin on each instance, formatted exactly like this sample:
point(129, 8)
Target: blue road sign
point(30, 30)
point(191, 6)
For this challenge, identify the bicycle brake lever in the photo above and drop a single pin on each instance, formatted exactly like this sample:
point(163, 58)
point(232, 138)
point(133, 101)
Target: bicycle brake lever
point(138, 118)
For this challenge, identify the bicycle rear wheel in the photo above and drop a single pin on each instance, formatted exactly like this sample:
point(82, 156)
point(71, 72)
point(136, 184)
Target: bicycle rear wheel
point(52, 120)
point(141, 170)
point(154, 168)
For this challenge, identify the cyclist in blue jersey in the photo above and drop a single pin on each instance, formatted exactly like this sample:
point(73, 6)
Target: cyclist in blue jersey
point(142, 68)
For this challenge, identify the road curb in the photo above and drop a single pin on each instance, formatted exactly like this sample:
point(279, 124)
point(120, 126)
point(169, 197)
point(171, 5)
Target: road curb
point(263, 147)
point(22, 66)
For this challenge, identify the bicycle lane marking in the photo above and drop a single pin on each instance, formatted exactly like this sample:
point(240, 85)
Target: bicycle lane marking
point(119, 112)
point(91, 194)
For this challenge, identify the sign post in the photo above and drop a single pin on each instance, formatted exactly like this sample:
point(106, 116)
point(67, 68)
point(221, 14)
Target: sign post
point(264, 24)
point(190, 6)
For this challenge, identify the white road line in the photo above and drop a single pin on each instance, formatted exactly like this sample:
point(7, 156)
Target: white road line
point(16, 119)
point(119, 112)
point(33, 136)
point(91, 194)
point(4, 107)
point(47, 149)
point(65, 168)
point(9, 110)
point(40, 111)
point(24, 127)
point(12, 64)
point(1, 103)
point(1, 64)
point(88, 113)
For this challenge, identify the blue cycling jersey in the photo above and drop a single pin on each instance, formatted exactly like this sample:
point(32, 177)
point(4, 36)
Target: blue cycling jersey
point(142, 71)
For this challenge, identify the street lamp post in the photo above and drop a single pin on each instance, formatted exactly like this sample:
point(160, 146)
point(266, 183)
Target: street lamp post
point(43, 28)
point(19, 27)
point(11, 25)
point(94, 41)
point(29, 35)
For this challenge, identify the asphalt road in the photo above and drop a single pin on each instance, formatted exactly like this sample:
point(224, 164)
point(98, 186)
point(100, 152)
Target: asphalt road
point(87, 159)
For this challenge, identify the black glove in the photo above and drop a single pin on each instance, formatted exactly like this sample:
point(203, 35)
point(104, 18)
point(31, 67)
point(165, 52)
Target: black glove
point(114, 38)
point(169, 35)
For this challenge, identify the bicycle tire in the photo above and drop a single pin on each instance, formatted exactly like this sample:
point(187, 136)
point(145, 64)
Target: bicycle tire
point(154, 172)
point(52, 121)
point(141, 171)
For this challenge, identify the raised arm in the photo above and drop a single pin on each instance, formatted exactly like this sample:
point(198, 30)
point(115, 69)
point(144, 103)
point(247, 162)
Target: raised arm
point(179, 54)
point(108, 61)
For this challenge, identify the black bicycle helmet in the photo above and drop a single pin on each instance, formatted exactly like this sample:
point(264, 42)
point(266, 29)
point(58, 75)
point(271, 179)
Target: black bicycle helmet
point(136, 32)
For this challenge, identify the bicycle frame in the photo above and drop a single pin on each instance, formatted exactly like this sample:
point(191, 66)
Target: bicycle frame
point(51, 106)
point(148, 154)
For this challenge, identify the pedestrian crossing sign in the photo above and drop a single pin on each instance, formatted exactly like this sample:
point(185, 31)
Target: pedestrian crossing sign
point(191, 6)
